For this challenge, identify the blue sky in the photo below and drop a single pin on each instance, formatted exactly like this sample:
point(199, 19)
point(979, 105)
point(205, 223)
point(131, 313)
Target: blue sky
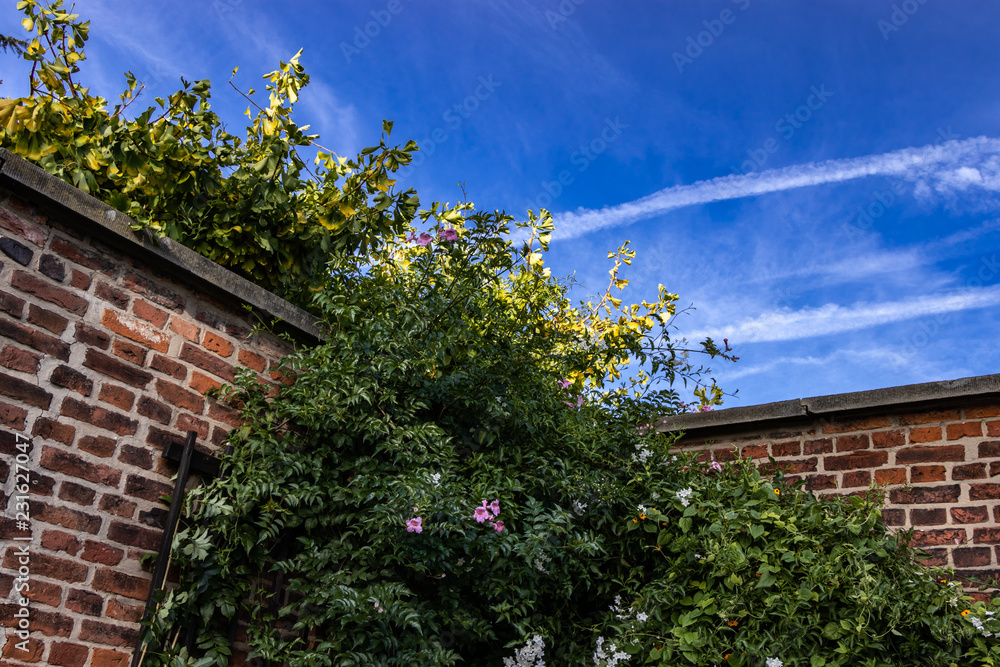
point(821, 180)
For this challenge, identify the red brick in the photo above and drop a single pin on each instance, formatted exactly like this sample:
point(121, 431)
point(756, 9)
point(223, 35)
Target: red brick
point(168, 366)
point(17, 359)
point(934, 557)
point(12, 305)
point(986, 535)
point(53, 430)
point(25, 392)
point(136, 330)
point(981, 411)
point(12, 416)
point(116, 396)
point(98, 416)
point(754, 452)
point(925, 434)
point(52, 267)
point(44, 343)
point(219, 435)
point(207, 362)
point(136, 456)
point(65, 517)
point(923, 454)
point(924, 495)
point(72, 379)
point(884, 439)
point(150, 313)
point(35, 647)
point(13, 223)
point(218, 323)
point(160, 439)
point(122, 611)
point(108, 634)
point(862, 424)
point(46, 319)
point(978, 514)
point(154, 291)
point(92, 336)
point(79, 280)
point(182, 398)
point(118, 506)
point(155, 410)
point(45, 593)
point(227, 415)
point(928, 517)
point(217, 344)
point(68, 655)
point(116, 297)
point(988, 491)
point(49, 623)
point(116, 369)
point(855, 479)
point(862, 459)
point(58, 460)
point(77, 493)
point(929, 417)
point(135, 536)
point(972, 557)
point(145, 488)
point(969, 471)
point(98, 445)
point(850, 443)
point(185, 329)
point(120, 583)
point(821, 482)
point(48, 566)
point(994, 468)
point(30, 284)
point(964, 430)
point(890, 476)
point(258, 363)
point(97, 552)
point(935, 538)
point(923, 474)
point(186, 422)
point(87, 258)
point(130, 352)
point(107, 658)
point(893, 517)
point(202, 383)
point(989, 449)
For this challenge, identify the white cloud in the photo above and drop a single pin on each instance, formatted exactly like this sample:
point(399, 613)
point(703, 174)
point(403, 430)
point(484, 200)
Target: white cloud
point(951, 167)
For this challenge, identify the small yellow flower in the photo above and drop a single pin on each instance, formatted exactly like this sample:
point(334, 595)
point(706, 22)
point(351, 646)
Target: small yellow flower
point(777, 493)
point(966, 612)
point(635, 521)
point(642, 516)
point(733, 624)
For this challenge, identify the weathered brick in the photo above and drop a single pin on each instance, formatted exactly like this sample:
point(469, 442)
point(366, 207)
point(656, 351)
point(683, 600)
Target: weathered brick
point(92, 336)
point(894, 517)
point(116, 396)
point(969, 471)
point(98, 552)
point(108, 634)
point(26, 392)
point(24, 335)
point(12, 305)
point(117, 505)
point(219, 324)
point(925, 495)
point(87, 258)
point(884, 439)
point(145, 488)
point(14, 223)
point(190, 331)
point(155, 517)
point(861, 424)
point(137, 330)
point(925, 434)
point(855, 460)
point(98, 445)
point(978, 514)
point(68, 654)
point(48, 566)
point(935, 454)
point(155, 410)
point(53, 430)
point(52, 624)
point(116, 369)
point(30, 284)
point(168, 366)
point(217, 344)
point(850, 443)
point(32, 652)
point(972, 556)
point(177, 395)
point(994, 468)
point(987, 491)
point(890, 476)
point(58, 460)
point(936, 538)
point(79, 280)
point(929, 417)
point(150, 313)
point(185, 422)
point(122, 611)
point(136, 456)
point(928, 517)
point(989, 450)
point(983, 411)
point(120, 583)
point(964, 430)
point(258, 363)
point(47, 319)
point(65, 517)
point(206, 362)
point(227, 415)
point(72, 379)
point(934, 557)
point(855, 479)
point(98, 416)
point(924, 474)
point(17, 359)
point(159, 438)
point(821, 482)
point(52, 267)
point(155, 292)
point(77, 493)
point(986, 535)
point(202, 383)
point(130, 352)
point(104, 657)
point(754, 452)
point(135, 536)
point(43, 592)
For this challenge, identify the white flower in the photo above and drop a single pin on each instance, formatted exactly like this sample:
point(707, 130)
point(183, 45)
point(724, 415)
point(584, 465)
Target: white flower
point(642, 509)
point(642, 617)
point(436, 478)
point(683, 496)
point(527, 656)
point(774, 662)
point(579, 507)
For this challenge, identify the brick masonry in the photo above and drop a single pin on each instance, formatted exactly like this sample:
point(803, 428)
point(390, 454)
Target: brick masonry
point(103, 360)
point(938, 464)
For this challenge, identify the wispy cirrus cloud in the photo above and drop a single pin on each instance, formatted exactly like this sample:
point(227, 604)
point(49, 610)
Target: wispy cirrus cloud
point(946, 169)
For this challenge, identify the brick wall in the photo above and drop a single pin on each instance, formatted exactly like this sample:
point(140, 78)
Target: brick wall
point(107, 350)
point(938, 461)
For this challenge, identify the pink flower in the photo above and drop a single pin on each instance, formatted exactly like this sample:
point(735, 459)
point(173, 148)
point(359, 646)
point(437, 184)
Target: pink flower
point(564, 383)
point(705, 408)
point(495, 508)
point(481, 514)
point(424, 239)
point(414, 525)
point(448, 235)
point(716, 466)
point(498, 525)
point(579, 402)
